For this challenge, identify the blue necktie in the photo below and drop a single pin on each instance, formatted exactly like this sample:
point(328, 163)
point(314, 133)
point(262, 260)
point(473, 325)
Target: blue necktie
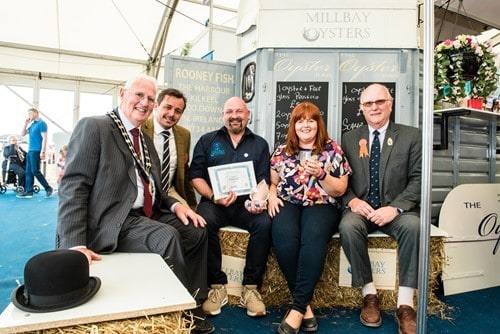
point(374, 195)
point(165, 163)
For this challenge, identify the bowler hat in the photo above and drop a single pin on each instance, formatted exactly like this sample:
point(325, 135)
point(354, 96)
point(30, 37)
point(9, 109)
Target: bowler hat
point(55, 280)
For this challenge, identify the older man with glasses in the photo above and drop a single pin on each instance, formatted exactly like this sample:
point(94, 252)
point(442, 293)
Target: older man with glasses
point(383, 194)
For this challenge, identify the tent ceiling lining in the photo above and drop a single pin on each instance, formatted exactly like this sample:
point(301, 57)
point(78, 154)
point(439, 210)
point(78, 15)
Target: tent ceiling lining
point(138, 33)
point(122, 28)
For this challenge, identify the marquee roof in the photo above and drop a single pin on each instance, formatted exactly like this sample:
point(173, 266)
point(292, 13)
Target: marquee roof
point(111, 38)
point(109, 32)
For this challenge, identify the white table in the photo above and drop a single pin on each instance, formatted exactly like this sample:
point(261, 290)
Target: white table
point(132, 285)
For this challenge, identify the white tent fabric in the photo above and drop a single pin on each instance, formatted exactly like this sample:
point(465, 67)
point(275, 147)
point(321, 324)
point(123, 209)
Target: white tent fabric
point(90, 47)
point(110, 39)
point(106, 39)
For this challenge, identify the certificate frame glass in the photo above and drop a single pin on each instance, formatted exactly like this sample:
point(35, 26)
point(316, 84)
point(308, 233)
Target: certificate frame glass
point(238, 177)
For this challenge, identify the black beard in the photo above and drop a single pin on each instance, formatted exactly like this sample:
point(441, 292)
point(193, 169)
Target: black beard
point(236, 129)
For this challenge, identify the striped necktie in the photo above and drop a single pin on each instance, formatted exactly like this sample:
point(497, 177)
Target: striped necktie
point(165, 163)
point(148, 199)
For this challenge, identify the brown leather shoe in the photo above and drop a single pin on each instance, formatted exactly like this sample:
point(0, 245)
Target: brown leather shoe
point(407, 319)
point(370, 314)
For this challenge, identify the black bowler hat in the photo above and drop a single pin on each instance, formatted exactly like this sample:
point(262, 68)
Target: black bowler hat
point(55, 280)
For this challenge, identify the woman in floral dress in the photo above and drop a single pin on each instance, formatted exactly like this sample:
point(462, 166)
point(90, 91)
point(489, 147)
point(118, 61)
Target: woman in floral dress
point(304, 209)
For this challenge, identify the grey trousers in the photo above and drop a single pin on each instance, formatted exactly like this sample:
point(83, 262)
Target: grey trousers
point(405, 229)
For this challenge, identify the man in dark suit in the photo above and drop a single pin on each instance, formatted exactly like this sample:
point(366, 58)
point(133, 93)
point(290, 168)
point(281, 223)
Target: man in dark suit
point(110, 198)
point(171, 105)
point(383, 194)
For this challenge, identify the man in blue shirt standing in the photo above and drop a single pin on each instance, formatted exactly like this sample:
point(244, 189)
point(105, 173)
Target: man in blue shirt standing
point(233, 143)
point(37, 130)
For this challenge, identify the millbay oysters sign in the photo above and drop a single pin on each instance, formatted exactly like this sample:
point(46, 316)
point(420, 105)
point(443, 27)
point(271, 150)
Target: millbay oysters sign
point(470, 215)
point(384, 24)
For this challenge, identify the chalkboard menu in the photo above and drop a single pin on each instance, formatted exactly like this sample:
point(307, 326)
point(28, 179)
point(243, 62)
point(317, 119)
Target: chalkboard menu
point(288, 95)
point(352, 117)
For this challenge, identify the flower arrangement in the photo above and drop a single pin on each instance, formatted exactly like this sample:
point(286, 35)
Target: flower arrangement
point(463, 68)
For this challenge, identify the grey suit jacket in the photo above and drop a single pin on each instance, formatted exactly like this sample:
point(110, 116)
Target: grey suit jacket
point(182, 144)
point(400, 166)
point(100, 186)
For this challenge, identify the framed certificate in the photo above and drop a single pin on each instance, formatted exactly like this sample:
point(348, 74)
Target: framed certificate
point(238, 177)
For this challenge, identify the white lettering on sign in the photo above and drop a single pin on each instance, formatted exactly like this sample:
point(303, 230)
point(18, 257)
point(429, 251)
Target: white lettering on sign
point(311, 66)
point(357, 68)
point(192, 74)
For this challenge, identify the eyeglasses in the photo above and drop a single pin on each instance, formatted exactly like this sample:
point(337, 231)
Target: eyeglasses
point(141, 96)
point(379, 103)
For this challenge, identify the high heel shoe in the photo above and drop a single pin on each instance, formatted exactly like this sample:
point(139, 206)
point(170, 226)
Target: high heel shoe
point(309, 325)
point(285, 328)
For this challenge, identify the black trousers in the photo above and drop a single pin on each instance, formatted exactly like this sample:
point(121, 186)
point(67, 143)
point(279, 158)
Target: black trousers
point(259, 228)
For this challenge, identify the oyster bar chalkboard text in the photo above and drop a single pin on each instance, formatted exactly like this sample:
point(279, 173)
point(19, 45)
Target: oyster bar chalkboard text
point(352, 117)
point(288, 95)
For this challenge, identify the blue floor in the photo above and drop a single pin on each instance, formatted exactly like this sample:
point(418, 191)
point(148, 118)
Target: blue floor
point(28, 228)
point(474, 312)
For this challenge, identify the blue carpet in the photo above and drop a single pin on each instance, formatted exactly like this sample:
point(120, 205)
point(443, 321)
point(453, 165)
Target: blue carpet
point(28, 228)
point(474, 312)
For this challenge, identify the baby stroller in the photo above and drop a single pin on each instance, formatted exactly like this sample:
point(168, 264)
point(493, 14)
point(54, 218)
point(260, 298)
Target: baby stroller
point(10, 181)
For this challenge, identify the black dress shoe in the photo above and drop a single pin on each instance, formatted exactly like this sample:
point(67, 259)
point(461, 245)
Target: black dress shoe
point(285, 328)
point(202, 326)
point(309, 325)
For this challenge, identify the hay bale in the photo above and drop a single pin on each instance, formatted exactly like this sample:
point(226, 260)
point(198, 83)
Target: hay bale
point(328, 293)
point(170, 323)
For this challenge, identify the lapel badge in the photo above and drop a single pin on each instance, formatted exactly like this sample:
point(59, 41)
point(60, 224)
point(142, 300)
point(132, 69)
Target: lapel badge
point(363, 148)
point(389, 141)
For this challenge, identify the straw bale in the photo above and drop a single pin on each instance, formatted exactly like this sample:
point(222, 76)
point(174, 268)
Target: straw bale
point(328, 293)
point(275, 291)
point(171, 323)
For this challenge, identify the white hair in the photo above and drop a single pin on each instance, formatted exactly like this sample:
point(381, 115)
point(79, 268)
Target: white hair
point(139, 77)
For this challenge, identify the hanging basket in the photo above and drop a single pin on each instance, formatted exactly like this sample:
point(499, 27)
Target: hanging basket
point(469, 63)
point(463, 68)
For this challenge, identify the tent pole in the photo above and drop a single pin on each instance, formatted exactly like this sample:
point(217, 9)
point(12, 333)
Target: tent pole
point(427, 144)
point(154, 63)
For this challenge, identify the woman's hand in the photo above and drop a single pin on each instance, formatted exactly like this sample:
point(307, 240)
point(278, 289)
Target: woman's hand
point(273, 205)
point(313, 167)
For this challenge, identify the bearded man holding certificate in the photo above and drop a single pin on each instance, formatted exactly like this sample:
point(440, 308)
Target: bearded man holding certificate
point(217, 156)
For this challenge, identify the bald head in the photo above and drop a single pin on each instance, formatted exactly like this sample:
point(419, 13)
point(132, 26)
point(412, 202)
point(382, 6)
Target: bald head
point(236, 115)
